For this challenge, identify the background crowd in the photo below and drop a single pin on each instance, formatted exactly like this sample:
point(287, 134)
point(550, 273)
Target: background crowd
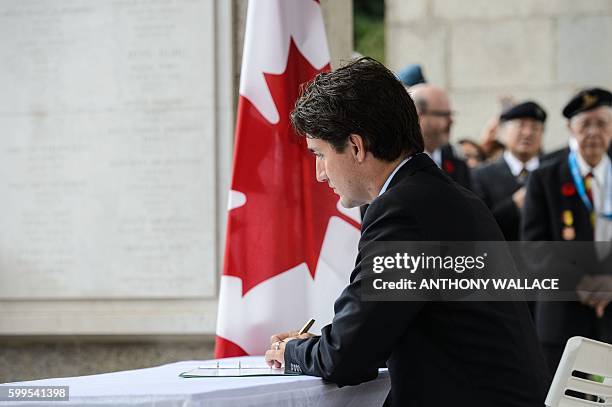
point(536, 195)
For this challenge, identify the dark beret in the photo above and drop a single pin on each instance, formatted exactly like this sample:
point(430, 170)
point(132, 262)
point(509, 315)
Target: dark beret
point(587, 99)
point(525, 110)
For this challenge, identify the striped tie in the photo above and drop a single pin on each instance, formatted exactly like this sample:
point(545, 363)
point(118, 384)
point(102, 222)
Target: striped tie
point(588, 186)
point(522, 177)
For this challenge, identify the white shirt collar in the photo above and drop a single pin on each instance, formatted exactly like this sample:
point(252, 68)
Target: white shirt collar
point(388, 181)
point(436, 156)
point(573, 143)
point(517, 165)
point(599, 171)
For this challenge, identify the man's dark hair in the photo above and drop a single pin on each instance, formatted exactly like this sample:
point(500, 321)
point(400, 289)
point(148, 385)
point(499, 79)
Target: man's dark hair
point(363, 98)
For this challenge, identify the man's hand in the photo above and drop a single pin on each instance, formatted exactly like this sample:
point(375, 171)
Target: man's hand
point(596, 292)
point(489, 132)
point(519, 197)
point(275, 356)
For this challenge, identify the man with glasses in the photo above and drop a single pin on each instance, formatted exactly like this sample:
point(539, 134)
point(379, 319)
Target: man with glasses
point(436, 120)
point(501, 184)
point(571, 200)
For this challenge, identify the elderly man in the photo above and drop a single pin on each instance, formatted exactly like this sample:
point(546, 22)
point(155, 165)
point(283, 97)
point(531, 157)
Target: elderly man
point(362, 127)
point(571, 200)
point(436, 120)
point(501, 184)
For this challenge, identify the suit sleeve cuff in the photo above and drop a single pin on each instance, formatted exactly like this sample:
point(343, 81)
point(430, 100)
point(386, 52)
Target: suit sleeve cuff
point(291, 364)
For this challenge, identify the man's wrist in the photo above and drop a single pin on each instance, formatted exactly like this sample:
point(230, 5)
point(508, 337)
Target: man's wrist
point(291, 365)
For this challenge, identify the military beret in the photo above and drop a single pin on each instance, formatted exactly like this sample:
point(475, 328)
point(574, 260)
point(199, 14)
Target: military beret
point(587, 99)
point(525, 110)
point(411, 75)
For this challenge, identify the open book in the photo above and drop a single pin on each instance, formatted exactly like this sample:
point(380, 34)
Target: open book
point(236, 368)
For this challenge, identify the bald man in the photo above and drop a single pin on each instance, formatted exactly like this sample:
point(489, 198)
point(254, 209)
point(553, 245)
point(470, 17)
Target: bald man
point(436, 120)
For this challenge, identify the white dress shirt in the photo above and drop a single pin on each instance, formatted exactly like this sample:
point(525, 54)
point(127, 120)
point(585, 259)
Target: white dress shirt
point(436, 156)
point(516, 165)
point(390, 177)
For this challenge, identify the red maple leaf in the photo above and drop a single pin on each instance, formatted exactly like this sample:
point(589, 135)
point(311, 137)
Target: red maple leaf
point(286, 213)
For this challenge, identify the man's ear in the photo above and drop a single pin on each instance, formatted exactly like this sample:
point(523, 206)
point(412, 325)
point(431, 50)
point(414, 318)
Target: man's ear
point(357, 147)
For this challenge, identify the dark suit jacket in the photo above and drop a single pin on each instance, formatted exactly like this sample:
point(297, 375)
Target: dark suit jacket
point(442, 353)
point(452, 165)
point(542, 220)
point(455, 167)
point(556, 155)
point(544, 205)
point(495, 184)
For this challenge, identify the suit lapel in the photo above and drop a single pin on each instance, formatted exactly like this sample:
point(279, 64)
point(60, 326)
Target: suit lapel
point(505, 174)
point(504, 169)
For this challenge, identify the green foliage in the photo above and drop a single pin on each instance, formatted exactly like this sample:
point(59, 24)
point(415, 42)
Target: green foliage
point(374, 8)
point(369, 28)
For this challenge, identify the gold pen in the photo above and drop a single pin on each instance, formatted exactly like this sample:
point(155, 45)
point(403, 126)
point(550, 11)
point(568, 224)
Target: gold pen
point(306, 327)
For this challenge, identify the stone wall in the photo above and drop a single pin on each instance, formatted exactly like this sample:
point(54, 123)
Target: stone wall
point(40, 354)
point(480, 49)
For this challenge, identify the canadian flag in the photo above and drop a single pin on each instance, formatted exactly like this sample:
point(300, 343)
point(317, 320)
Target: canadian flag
point(290, 246)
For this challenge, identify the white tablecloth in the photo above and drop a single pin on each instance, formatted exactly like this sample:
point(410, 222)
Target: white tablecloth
point(162, 387)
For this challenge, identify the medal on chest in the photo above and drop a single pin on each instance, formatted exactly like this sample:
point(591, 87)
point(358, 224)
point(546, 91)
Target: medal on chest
point(568, 232)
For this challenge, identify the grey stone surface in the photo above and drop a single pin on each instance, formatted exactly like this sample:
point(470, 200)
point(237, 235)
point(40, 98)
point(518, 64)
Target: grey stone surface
point(570, 7)
point(585, 39)
point(495, 9)
point(338, 17)
point(496, 54)
point(481, 49)
point(419, 43)
point(402, 10)
point(484, 9)
point(64, 357)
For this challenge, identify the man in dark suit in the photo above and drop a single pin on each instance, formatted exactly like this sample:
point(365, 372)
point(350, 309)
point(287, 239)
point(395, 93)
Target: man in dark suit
point(436, 120)
point(363, 129)
point(569, 200)
point(501, 184)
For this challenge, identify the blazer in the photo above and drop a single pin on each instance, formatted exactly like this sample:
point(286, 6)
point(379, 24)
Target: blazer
point(479, 354)
point(560, 154)
point(452, 165)
point(455, 167)
point(495, 184)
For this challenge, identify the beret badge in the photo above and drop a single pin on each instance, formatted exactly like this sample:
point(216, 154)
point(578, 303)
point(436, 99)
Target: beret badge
point(588, 100)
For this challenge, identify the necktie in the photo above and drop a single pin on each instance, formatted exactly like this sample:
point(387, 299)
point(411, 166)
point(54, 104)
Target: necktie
point(522, 177)
point(588, 186)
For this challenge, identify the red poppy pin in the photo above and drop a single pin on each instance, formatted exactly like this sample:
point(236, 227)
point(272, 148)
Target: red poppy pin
point(448, 166)
point(568, 189)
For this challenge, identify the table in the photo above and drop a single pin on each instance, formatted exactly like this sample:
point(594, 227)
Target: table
point(161, 386)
